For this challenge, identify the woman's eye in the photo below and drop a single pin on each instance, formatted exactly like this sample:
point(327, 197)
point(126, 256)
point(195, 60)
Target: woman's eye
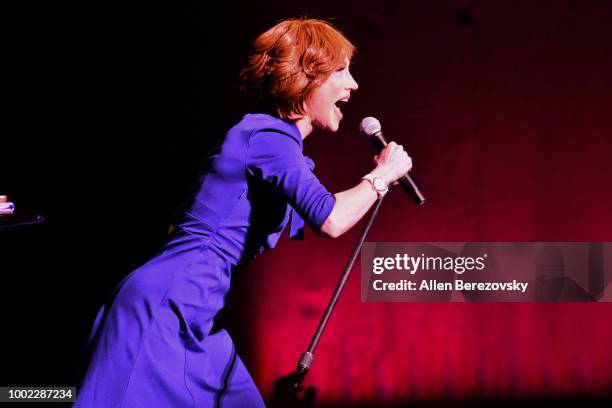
point(341, 69)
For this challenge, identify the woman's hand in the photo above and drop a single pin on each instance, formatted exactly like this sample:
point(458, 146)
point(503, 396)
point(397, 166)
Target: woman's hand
point(392, 163)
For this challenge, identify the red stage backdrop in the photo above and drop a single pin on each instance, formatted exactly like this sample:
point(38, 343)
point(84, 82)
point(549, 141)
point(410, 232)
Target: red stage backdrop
point(506, 109)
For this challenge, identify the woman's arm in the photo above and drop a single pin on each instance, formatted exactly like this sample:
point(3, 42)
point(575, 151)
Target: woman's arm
point(391, 163)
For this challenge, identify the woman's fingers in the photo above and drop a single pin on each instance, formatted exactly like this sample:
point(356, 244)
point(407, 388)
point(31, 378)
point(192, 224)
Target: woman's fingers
point(393, 162)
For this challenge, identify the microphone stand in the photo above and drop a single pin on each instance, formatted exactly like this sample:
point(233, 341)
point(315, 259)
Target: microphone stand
point(306, 358)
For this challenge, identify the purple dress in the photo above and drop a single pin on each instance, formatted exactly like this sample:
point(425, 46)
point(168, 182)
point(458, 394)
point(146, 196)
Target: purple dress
point(151, 345)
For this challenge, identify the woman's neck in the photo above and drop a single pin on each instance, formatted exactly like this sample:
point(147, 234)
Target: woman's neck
point(304, 125)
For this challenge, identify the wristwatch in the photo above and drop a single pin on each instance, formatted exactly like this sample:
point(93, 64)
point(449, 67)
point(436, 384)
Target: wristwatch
point(378, 184)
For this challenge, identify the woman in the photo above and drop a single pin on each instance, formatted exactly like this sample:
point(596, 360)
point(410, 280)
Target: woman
point(151, 345)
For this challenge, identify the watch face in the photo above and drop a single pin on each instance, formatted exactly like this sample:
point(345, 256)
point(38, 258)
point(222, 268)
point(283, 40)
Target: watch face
point(379, 183)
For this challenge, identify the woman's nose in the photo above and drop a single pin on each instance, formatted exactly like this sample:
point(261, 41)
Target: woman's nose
point(352, 83)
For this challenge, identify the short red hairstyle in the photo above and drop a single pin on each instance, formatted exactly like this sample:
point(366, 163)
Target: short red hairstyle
point(290, 60)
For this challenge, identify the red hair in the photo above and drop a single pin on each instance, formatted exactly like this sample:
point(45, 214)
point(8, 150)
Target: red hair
point(290, 60)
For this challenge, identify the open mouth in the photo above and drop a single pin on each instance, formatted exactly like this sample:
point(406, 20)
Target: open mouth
point(338, 104)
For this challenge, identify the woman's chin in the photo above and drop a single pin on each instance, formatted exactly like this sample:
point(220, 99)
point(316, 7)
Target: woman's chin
point(335, 123)
point(333, 127)
point(329, 126)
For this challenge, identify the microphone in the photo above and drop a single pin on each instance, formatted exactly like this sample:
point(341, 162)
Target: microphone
point(371, 129)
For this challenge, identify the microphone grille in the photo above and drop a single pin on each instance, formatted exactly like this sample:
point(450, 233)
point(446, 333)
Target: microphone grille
point(369, 126)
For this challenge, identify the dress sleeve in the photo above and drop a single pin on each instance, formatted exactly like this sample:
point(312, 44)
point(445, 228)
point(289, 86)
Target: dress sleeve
point(277, 159)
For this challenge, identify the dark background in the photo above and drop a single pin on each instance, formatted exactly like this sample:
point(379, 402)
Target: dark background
point(505, 107)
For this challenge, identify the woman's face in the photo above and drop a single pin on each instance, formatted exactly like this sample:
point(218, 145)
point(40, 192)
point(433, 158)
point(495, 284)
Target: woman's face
point(323, 107)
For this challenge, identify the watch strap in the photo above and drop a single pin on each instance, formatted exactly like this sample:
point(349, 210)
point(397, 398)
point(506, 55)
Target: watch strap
point(370, 178)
